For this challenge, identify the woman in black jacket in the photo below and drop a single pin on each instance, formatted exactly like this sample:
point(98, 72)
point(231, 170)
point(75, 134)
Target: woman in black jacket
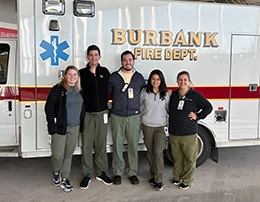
point(186, 107)
point(64, 113)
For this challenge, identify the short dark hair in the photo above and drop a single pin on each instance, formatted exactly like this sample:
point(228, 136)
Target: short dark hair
point(93, 47)
point(126, 53)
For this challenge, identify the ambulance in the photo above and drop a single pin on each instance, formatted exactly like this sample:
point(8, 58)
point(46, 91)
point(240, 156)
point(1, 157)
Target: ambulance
point(218, 44)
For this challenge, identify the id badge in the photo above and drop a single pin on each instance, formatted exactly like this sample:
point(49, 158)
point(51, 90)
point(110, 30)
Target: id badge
point(180, 105)
point(166, 131)
point(105, 118)
point(130, 93)
point(124, 87)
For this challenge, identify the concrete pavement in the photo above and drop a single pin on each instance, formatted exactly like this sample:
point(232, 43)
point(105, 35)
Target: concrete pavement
point(236, 178)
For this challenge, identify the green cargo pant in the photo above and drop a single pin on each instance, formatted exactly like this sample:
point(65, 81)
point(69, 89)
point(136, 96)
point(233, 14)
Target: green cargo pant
point(184, 152)
point(155, 140)
point(62, 149)
point(129, 128)
point(94, 137)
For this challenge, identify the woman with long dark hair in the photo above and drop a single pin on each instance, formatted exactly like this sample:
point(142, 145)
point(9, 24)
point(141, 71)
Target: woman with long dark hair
point(154, 107)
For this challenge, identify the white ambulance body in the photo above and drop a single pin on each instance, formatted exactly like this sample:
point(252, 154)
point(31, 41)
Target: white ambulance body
point(218, 44)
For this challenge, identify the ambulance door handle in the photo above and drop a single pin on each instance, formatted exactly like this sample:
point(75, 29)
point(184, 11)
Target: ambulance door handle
point(253, 87)
point(10, 106)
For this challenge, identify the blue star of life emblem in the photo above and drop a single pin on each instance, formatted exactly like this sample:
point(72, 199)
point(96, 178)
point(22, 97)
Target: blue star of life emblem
point(54, 50)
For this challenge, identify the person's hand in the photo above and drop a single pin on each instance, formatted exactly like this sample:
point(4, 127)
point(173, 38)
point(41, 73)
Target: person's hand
point(192, 116)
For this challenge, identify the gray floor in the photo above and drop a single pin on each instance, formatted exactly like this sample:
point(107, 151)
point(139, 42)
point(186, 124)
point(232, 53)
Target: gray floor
point(235, 178)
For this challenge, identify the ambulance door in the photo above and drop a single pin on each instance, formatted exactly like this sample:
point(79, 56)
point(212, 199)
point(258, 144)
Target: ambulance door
point(8, 93)
point(53, 51)
point(244, 90)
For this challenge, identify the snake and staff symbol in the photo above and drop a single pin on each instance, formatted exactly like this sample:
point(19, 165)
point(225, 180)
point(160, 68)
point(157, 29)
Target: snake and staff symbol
point(54, 49)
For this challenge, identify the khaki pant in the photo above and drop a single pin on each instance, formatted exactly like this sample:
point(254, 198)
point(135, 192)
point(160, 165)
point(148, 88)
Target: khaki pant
point(129, 128)
point(62, 149)
point(94, 136)
point(184, 152)
point(155, 139)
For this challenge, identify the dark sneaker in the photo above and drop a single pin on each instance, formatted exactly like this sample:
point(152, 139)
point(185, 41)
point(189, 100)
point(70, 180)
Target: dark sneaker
point(117, 180)
point(152, 182)
point(104, 178)
point(85, 183)
point(158, 186)
point(56, 179)
point(133, 180)
point(176, 182)
point(66, 186)
point(183, 186)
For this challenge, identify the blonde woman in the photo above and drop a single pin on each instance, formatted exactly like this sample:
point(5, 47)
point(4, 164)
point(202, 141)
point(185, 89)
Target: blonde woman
point(186, 107)
point(64, 113)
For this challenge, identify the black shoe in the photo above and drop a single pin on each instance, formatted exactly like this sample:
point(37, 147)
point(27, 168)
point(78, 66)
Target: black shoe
point(176, 182)
point(117, 180)
point(56, 179)
point(133, 180)
point(152, 182)
point(184, 186)
point(66, 186)
point(104, 178)
point(85, 183)
point(158, 186)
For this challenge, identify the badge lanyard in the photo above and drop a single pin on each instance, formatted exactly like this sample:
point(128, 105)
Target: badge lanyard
point(130, 90)
point(181, 104)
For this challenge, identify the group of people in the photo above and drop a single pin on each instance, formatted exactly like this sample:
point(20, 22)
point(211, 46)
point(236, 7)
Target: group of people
point(79, 104)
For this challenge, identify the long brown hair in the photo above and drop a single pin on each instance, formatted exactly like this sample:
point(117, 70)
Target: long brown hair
point(162, 87)
point(65, 83)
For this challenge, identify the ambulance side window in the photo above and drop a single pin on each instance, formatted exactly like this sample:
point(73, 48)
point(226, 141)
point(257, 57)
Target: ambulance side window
point(4, 55)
